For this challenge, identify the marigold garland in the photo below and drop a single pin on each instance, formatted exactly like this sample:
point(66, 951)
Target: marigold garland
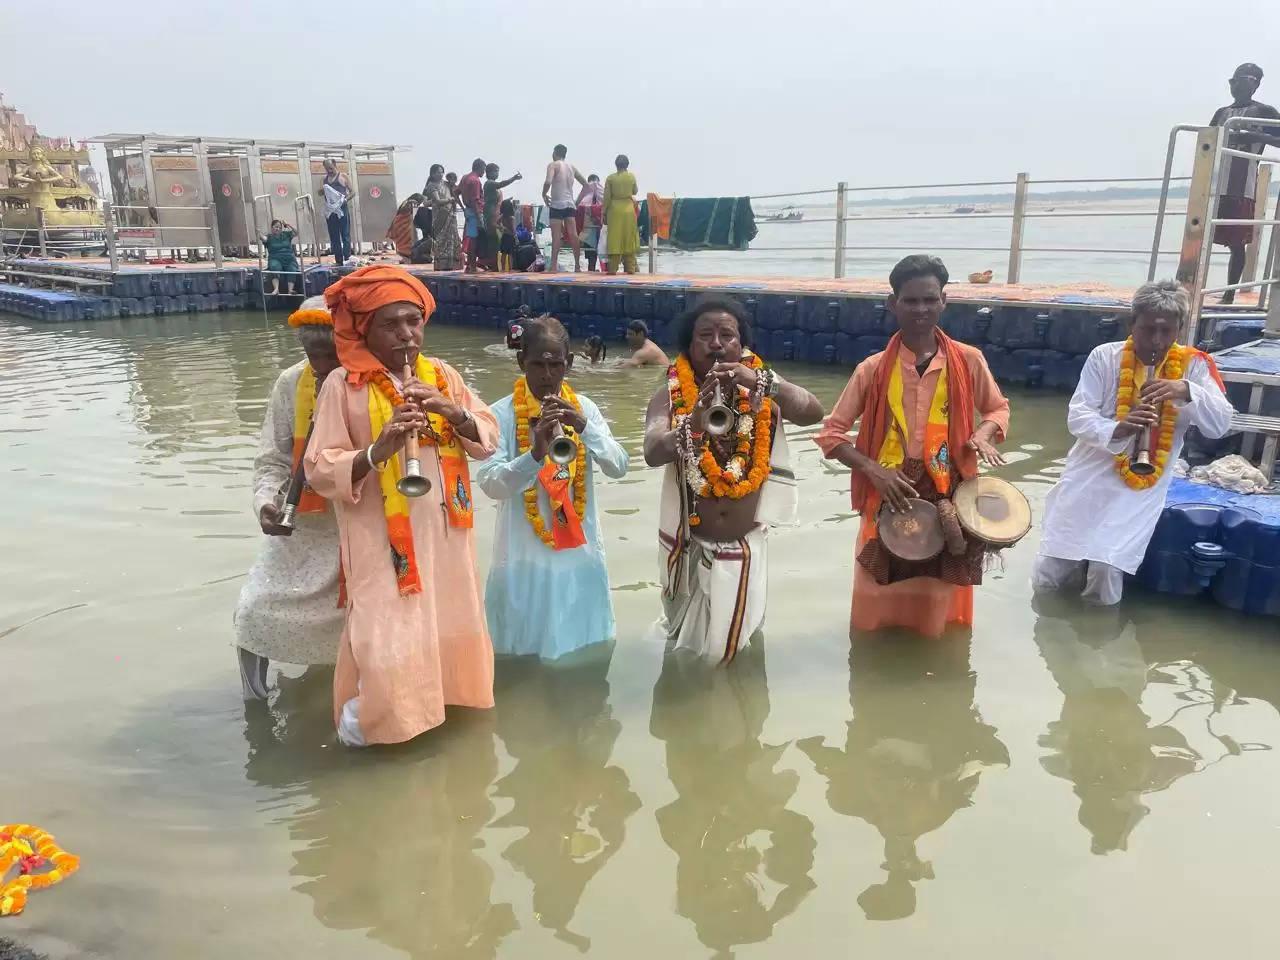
point(748, 465)
point(306, 318)
point(29, 848)
point(520, 400)
point(1171, 369)
point(430, 435)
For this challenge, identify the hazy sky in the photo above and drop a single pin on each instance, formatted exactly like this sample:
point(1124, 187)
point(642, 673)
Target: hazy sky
point(706, 98)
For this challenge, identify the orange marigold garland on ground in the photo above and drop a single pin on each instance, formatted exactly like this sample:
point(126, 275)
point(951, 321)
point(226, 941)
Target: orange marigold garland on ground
point(40, 863)
point(520, 400)
point(748, 466)
point(1171, 369)
point(442, 436)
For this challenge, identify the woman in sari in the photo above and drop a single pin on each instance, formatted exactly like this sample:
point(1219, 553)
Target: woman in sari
point(623, 240)
point(446, 245)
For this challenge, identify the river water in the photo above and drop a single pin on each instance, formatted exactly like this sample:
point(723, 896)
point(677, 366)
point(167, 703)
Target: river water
point(1061, 783)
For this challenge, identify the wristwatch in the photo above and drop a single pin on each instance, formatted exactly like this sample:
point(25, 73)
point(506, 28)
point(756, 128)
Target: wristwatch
point(775, 384)
point(466, 418)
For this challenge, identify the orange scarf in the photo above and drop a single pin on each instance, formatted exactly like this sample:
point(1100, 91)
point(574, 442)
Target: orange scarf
point(877, 418)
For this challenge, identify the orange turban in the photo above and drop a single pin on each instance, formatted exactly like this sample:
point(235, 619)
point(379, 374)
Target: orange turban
point(355, 297)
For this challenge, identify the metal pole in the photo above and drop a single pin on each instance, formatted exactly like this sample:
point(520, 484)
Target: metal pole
point(1164, 197)
point(1193, 262)
point(257, 238)
point(1269, 265)
point(109, 222)
point(40, 231)
point(1015, 236)
point(1259, 213)
point(653, 248)
point(206, 194)
point(353, 211)
point(842, 206)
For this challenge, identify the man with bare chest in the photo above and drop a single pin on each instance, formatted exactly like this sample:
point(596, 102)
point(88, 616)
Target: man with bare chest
point(717, 428)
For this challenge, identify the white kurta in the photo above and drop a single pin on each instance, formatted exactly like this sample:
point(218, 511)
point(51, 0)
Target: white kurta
point(288, 609)
point(1091, 514)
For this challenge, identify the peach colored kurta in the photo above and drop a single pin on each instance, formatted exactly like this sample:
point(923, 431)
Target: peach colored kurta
point(923, 604)
point(404, 657)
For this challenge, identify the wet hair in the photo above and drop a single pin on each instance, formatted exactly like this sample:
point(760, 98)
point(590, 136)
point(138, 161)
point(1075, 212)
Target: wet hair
point(638, 326)
point(593, 178)
point(595, 340)
point(477, 165)
point(559, 152)
point(682, 328)
point(915, 266)
point(621, 161)
point(545, 329)
point(491, 170)
point(435, 167)
point(1167, 299)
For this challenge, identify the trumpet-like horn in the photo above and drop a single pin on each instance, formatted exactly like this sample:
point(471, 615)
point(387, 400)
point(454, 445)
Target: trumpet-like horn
point(719, 416)
point(412, 483)
point(562, 450)
point(1141, 464)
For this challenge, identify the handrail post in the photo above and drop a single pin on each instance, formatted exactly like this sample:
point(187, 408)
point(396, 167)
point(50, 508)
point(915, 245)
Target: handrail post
point(40, 231)
point(653, 249)
point(215, 237)
point(1015, 235)
point(1259, 213)
point(842, 204)
point(1163, 205)
point(1193, 259)
point(1271, 264)
point(109, 225)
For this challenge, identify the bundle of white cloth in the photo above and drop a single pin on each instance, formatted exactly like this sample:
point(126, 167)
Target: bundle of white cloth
point(1232, 472)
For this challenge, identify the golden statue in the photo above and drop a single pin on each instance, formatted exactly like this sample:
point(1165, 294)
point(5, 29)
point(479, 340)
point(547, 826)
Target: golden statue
point(40, 172)
point(40, 180)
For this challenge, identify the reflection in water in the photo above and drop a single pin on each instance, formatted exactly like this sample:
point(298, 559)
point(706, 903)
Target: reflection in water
point(1127, 728)
point(913, 754)
point(744, 858)
point(555, 720)
point(390, 842)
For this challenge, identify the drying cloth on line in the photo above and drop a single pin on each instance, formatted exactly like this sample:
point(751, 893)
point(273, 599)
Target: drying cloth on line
point(659, 211)
point(705, 223)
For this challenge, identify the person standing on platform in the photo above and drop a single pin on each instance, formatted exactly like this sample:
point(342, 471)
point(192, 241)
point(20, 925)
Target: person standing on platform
point(471, 193)
point(415, 638)
point(289, 609)
point(548, 588)
point(557, 194)
point(1100, 515)
point(336, 192)
point(623, 235)
point(644, 352)
point(490, 225)
point(443, 205)
point(1237, 184)
point(721, 494)
point(919, 400)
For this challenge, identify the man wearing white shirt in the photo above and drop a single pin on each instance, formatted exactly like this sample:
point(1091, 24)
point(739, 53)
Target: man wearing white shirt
point(557, 194)
point(1100, 515)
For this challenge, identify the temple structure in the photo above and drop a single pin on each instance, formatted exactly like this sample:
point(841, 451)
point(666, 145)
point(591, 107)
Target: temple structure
point(42, 174)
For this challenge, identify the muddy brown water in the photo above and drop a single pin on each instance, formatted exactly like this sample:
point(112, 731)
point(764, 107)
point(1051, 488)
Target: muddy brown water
point(1059, 783)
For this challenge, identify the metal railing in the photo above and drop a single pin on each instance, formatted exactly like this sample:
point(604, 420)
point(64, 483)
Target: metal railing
point(1017, 215)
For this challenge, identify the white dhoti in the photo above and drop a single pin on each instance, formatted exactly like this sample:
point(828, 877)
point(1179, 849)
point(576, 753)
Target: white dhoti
point(714, 594)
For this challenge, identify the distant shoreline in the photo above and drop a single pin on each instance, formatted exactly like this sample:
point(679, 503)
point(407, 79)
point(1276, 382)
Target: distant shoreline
point(1034, 196)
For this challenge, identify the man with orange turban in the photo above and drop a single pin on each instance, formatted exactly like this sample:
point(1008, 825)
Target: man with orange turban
point(415, 638)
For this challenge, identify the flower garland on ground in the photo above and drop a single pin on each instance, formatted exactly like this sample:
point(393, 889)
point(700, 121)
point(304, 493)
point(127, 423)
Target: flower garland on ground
point(520, 400)
point(29, 848)
point(1171, 369)
point(748, 465)
point(442, 437)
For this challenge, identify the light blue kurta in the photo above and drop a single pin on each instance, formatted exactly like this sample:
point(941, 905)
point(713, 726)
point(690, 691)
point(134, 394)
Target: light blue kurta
point(538, 600)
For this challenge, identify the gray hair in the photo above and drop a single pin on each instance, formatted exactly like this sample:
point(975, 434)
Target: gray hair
point(1167, 299)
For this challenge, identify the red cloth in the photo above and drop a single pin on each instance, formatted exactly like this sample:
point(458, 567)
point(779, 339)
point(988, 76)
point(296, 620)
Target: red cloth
point(355, 297)
point(877, 417)
point(471, 190)
point(1234, 208)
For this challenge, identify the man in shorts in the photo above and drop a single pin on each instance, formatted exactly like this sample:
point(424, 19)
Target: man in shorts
point(1238, 178)
point(471, 192)
point(557, 194)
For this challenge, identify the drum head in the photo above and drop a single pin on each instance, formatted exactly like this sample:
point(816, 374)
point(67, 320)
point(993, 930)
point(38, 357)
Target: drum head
point(992, 510)
point(914, 535)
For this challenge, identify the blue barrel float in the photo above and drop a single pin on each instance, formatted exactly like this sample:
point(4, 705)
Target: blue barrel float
point(1217, 542)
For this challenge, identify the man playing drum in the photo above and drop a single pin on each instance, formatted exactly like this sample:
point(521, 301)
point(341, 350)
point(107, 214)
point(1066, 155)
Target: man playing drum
point(919, 400)
point(1141, 394)
point(728, 478)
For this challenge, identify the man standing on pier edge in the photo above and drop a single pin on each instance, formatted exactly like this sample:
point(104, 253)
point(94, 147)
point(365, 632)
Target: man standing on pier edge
point(1238, 177)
